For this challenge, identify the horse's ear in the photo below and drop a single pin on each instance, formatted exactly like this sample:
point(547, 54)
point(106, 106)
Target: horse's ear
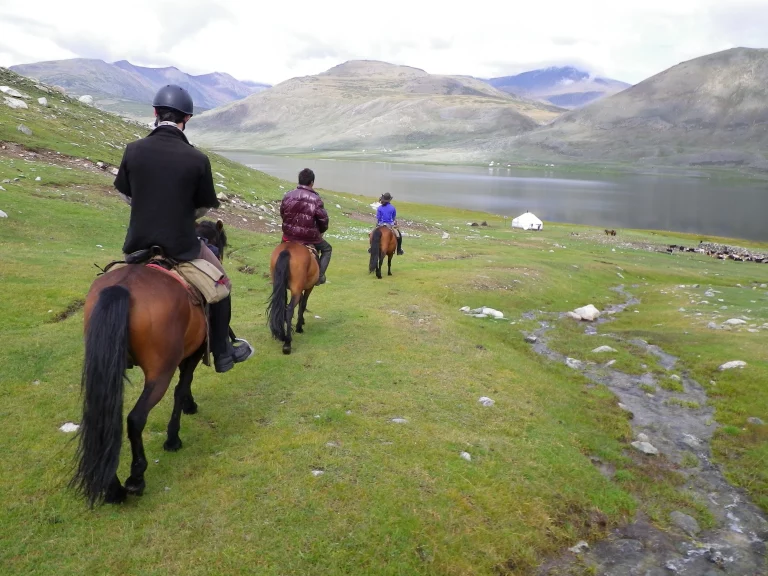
point(219, 225)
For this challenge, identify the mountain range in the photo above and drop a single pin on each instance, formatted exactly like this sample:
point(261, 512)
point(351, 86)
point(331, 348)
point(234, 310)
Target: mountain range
point(124, 87)
point(708, 111)
point(565, 86)
point(366, 106)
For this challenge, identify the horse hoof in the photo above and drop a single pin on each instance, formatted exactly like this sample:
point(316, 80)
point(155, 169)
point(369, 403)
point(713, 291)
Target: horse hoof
point(286, 349)
point(171, 446)
point(299, 330)
point(389, 273)
point(135, 488)
point(116, 495)
point(190, 408)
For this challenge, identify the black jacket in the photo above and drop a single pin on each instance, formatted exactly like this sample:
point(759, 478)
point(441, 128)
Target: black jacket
point(167, 179)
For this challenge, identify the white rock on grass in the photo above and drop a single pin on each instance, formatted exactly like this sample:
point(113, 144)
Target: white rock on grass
point(588, 313)
point(3, 214)
point(69, 427)
point(643, 437)
point(485, 401)
point(464, 309)
point(734, 322)
point(15, 103)
point(645, 447)
point(86, 99)
point(602, 349)
point(573, 363)
point(399, 420)
point(732, 364)
point(11, 92)
point(446, 235)
point(43, 101)
point(24, 129)
point(317, 473)
point(466, 456)
point(579, 548)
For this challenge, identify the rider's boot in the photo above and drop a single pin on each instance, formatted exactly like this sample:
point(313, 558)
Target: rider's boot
point(400, 245)
point(225, 355)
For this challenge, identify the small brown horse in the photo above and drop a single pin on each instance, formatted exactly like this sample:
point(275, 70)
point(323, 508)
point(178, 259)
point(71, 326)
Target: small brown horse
point(383, 241)
point(146, 315)
point(610, 232)
point(292, 267)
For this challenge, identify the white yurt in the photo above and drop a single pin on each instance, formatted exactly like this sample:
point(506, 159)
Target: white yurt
point(527, 221)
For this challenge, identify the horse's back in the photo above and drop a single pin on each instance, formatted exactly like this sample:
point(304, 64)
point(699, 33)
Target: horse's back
point(162, 315)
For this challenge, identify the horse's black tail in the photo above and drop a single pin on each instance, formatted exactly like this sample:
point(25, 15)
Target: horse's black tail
point(103, 380)
point(278, 301)
point(375, 250)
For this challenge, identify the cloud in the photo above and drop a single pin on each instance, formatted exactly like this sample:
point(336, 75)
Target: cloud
point(274, 41)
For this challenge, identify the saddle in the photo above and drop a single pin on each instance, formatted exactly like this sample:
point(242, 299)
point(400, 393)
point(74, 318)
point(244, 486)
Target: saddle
point(313, 251)
point(200, 278)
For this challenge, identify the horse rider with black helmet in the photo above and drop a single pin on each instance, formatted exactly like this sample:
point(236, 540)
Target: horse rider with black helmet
point(169, 185)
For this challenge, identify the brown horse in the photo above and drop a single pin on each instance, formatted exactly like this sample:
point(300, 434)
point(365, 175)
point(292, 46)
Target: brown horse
point(292, 267)
point(383, 241)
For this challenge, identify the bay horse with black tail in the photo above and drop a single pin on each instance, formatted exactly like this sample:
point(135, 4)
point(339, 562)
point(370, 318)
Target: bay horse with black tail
point(383, 242)
point(144, 315)
point(292, 267)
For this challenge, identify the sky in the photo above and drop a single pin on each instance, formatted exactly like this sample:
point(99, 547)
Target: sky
point(272, 41)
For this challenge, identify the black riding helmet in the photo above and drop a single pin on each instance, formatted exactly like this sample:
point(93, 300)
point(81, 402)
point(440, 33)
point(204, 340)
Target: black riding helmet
point(175, 97)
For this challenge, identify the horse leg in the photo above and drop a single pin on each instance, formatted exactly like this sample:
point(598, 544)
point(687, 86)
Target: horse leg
point(116, 494)
point(155, 387)
point(389, 264)
point(302, 309)
point(288, 323)
point(181, 394)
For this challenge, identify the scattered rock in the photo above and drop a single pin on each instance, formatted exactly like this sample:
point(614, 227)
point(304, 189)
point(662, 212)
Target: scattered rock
point(11, 92)
point(573, 315)
point(43, 101)
point(466, 456)
point(332, 444)
point(579, 548)
point(221, 196)
point(756, 421)
point(675, 377)
point(625, 407)
point(464, 309)
point(69, 427)
point(113, 171)
point(483, 312)
point(3, 214)
point(485, 401)
point(588, 313)
point(24, 130)
point(645, 447)
point(573, 363)
point(609, 364)
point(734, 322)
point(643, 438)
point(446, 235)
point(38, 179)
point(531, 339)
point(399, 420)
point(317, 473)
point(86, 99)
point(602, 349)
point(713, 326)
point(732, 364)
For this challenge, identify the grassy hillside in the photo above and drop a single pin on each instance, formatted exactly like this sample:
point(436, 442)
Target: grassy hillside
point(551, 461)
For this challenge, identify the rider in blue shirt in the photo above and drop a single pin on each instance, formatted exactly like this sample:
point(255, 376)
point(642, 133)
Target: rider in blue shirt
point(386, 215)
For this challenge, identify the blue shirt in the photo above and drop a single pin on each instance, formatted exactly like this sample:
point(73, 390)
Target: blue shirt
point(386, 214)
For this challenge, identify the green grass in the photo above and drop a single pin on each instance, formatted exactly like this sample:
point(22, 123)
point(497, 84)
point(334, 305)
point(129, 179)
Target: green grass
point(393, 499)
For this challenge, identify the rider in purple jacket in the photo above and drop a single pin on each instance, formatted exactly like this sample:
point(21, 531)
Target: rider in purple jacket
point(386, 215)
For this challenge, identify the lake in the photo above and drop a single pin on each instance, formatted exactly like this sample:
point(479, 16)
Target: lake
point(703, 206)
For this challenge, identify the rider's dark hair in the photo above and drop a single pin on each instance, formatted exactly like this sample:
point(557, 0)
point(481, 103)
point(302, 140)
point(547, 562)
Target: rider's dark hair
point(306, 177)
point(170, 115)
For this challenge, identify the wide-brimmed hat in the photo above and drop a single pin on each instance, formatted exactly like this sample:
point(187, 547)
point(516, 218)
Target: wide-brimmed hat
point(386, 196)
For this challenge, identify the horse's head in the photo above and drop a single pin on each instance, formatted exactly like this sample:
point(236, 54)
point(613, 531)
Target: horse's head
point(213, 233)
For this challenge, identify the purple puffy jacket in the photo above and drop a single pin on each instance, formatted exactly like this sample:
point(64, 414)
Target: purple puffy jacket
point(304, 217)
